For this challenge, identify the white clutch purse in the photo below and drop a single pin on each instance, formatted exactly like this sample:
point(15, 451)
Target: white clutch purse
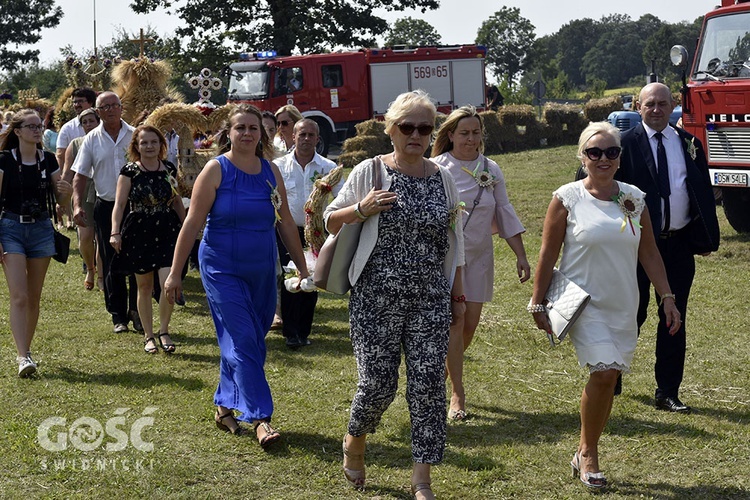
point(564, 302)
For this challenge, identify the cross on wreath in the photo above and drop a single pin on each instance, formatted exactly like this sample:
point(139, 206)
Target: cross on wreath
point(141, 41)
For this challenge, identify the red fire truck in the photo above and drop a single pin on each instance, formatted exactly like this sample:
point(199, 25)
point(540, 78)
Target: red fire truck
point(716, 103)
point(341, 89)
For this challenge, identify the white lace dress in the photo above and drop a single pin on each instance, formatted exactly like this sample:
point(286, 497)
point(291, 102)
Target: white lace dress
point(600, 254)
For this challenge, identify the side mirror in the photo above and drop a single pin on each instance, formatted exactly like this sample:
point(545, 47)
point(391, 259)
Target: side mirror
point(679, 56)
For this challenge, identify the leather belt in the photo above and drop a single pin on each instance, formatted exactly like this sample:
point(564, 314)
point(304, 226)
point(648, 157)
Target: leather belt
point(24, 219)
point(665, 235)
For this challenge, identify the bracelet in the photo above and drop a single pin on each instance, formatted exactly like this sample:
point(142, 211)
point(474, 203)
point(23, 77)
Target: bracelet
point(359, 213)
point(115, 234)
point(667, 296)
point(536, 308)
point(460, 298)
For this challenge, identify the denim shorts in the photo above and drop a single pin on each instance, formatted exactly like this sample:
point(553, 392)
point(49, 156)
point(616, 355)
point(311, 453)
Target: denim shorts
point(32, 240)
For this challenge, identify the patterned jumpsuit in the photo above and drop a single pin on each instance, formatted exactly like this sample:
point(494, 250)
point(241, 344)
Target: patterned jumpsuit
point(402, 299)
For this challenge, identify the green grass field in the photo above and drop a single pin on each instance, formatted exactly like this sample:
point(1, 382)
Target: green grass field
point(522, 396)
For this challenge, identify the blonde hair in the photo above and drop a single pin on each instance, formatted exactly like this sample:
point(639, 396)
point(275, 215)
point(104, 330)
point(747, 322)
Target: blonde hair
point(291, 110)
point(596, 128)
point(443, 144)
point(405, 104)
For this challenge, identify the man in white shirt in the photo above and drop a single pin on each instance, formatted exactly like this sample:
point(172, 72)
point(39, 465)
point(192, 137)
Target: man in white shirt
point(300, 169)
point(101, 156)
point(83, 98)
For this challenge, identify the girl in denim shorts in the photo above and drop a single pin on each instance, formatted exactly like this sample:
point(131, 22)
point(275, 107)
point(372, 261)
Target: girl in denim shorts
point(26, 233)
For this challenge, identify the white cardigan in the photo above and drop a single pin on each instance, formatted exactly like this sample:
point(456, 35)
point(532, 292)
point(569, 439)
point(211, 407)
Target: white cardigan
point(359, 183)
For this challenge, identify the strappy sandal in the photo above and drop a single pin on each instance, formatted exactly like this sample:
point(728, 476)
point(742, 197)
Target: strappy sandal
point(426, 488)
point(219, 419)
point(355, 477)
point(270, 436)
point(166, 347)
point(150, 350)
point(592, 480)
point(457, 415)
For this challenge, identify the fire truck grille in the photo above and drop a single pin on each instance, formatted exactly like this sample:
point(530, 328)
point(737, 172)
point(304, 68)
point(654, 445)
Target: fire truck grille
point(729, 145)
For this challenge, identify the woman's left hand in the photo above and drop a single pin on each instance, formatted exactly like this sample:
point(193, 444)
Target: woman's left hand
point(458, 309)
point(674, 322)
point(523, 269)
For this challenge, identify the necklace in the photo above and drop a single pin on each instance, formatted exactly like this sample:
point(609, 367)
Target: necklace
point(158, 166)
point(400, 169)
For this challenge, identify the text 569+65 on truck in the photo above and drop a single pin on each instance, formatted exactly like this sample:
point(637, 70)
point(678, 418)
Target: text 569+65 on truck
point(716, 103)
point(340, 89)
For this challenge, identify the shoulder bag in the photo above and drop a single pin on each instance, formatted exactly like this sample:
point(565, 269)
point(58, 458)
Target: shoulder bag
point(336, 255)
point(62, 242)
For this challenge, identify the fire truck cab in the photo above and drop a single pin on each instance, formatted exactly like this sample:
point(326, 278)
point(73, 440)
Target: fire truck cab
point(340, 89)
point(716, 103)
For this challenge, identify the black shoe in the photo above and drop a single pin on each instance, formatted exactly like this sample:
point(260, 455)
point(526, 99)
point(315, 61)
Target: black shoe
point(306, 342)
point(180, 299)
point(294, 342)
point(672, 404)
point(137, 325)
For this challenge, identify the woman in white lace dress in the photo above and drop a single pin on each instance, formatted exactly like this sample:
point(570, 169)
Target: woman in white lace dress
point(604, 230)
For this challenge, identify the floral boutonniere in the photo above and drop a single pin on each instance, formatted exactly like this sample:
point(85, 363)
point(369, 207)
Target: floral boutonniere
point(481, 176)
point(690, 144)
point(173, 184)
point(631, 208)
point(315, 176)
point(275, 200)
point(455, 213)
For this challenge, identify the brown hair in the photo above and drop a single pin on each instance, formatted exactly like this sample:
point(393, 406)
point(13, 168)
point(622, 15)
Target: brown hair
point(9, 139)
point(264, 149)
point(133, 152)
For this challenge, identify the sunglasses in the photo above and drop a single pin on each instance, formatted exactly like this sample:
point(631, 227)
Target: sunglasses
point(408, 129)
point(595, 154)
point(284, 123)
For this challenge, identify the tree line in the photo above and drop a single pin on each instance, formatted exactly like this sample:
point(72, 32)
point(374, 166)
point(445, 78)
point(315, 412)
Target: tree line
point(583, 55)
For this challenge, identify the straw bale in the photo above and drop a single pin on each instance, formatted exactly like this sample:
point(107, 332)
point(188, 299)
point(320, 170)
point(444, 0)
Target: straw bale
point(517, 114)
point(352, 158)
point(370, 127)
point(597, 110)
point(492, 128)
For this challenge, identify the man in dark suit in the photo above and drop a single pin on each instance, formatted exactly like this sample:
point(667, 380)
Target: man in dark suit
point(670, 166)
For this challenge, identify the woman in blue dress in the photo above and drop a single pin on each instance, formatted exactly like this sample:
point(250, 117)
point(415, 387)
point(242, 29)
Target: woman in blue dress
point(241, 197)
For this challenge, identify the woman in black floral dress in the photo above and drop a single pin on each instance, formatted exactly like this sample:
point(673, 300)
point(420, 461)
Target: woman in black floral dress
point(146, 239)
point(406, 286)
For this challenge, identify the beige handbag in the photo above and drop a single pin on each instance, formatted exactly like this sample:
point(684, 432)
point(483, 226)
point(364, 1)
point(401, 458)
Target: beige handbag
point(336, 254)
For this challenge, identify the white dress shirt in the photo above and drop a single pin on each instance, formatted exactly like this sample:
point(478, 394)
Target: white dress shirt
point(679, 201)
point(299, 181)
point(101, 159)
point(69, 131)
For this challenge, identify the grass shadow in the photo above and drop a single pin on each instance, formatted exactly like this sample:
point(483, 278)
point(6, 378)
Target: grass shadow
point(130, 379)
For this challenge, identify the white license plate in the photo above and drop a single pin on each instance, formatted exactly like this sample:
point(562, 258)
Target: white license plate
point(727, 179)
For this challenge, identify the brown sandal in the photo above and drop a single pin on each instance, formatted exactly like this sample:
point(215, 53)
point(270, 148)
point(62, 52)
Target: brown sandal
point(270, 436)
point(219, 419)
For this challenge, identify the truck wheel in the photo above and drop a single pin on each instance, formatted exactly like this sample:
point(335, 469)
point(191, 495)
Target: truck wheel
point(736, 203)
point(324, 141)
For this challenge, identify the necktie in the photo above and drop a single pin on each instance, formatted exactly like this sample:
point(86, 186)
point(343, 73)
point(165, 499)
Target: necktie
point(663, 176)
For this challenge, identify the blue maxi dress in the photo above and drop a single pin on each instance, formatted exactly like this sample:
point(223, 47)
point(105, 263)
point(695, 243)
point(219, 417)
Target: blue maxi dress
point(238, 268)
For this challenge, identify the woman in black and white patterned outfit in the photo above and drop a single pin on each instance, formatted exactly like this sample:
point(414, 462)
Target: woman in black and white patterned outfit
point(406, 285)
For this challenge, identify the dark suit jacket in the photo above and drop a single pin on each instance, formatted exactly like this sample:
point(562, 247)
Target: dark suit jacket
point(638, 167)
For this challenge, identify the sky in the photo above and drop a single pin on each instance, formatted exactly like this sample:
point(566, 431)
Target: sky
point(457, 21)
